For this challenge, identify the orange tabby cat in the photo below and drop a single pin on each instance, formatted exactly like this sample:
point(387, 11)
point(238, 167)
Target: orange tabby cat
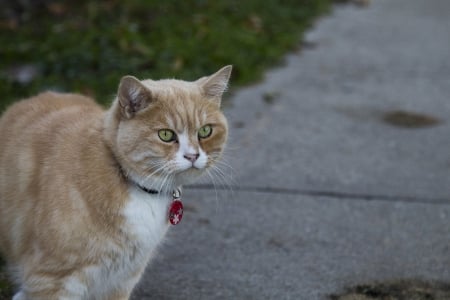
point(85, 193)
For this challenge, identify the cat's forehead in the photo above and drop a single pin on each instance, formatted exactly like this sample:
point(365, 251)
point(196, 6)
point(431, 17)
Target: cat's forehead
point(182, 105)
point(169, 89)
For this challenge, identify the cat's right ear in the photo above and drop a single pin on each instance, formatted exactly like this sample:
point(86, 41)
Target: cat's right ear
point(215, 85)
point(133, 96)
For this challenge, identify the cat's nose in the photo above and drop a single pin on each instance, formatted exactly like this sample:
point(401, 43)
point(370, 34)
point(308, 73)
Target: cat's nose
point(192, 157)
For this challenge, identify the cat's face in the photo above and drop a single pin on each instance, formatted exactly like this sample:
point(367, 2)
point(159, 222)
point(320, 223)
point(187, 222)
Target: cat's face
point(171, 131)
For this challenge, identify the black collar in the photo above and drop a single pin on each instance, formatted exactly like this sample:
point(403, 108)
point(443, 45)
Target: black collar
point(122, 173)
point(150, 191)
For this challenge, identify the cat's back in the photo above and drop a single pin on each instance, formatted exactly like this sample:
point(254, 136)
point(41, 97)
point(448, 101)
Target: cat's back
point(34, 133)
point(32, 130)
point(38, 112)
point(38, 121)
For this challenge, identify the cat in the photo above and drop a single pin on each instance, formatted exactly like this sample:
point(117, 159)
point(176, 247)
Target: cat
point(85, 193)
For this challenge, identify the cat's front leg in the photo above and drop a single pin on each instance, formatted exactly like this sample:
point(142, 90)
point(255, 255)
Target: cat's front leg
point(22, 296)
point(19, 296)
point(124, 291)
point(119, 297)
point(51, 288)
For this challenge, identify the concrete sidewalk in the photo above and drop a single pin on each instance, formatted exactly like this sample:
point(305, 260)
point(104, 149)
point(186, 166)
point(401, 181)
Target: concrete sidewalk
point(330, 190)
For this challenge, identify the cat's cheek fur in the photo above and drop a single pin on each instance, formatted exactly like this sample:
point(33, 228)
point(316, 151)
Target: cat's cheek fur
point(202, 160)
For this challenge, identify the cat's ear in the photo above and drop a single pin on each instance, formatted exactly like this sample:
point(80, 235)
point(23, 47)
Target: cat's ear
point(215, 85)
point(133, 96)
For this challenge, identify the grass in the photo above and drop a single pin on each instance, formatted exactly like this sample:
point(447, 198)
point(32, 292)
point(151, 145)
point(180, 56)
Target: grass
point(5, 286)
point(86, 46)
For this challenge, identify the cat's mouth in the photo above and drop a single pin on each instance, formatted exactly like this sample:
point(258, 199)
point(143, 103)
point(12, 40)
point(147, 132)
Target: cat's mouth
point(195, 166)
point(191, 170)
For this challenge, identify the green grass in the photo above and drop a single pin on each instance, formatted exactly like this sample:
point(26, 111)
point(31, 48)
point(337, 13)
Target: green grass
point(5, 286)
point(86, 46)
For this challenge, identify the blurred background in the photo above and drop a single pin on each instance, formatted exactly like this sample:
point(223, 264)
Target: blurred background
point(86, 46)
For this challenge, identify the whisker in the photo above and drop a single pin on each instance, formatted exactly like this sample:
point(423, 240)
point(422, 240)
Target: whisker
point(215, 189)
point(218, 165)
point(226, 181)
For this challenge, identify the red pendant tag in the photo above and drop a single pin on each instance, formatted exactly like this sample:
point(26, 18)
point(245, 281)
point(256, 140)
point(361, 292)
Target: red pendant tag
point(175, 212)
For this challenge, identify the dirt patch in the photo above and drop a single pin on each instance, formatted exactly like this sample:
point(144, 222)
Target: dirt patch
point(270, 97)
point(397, 290)
point(400, 118)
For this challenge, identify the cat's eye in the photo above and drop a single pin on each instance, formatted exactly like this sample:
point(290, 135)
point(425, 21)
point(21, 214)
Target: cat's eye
point(205, 131)
point(167, 135)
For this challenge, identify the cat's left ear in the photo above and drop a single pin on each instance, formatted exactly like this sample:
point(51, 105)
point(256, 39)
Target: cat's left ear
point(215, 85)
point(133, 96)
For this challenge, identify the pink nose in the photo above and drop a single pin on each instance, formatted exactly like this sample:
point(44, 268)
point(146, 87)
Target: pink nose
point(192, 157)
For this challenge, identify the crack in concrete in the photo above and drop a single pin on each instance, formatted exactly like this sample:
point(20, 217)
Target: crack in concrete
point(323, 193)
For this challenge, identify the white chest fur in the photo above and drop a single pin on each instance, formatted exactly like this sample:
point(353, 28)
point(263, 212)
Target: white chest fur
point(146, 218)
point(146, 223)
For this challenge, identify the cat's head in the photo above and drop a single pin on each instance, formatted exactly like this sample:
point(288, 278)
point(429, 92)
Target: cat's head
point(168, 132)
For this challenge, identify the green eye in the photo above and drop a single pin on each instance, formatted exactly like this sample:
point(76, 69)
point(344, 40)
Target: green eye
point(205, 131)
point(167, 135)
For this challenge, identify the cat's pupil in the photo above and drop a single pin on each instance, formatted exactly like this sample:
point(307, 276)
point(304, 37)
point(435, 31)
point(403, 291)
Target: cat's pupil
point(166, 135)
point(205, 131)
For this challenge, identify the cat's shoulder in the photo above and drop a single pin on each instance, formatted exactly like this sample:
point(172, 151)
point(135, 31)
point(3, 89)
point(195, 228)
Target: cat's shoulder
point(61, 100)
point(49, 106)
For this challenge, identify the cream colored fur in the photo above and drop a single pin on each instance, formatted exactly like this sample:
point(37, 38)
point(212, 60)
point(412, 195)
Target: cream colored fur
point(74, 223)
